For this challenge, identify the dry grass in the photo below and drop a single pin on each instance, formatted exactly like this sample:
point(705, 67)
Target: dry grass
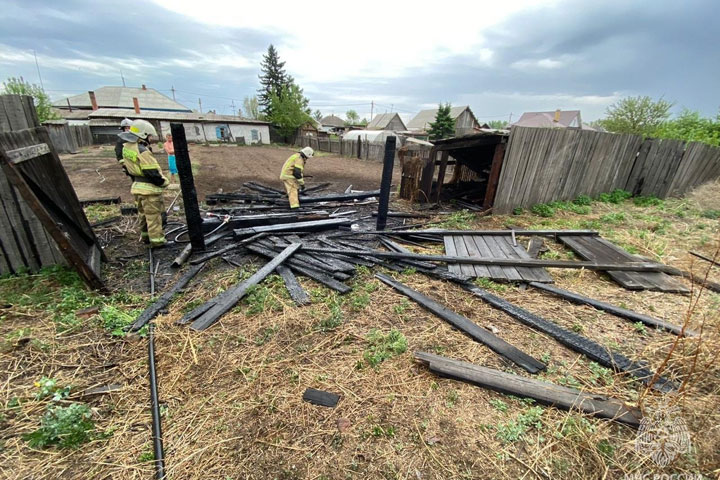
point(232, 395)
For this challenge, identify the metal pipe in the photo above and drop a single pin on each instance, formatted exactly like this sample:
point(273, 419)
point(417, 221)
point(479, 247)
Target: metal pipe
point(155, 408)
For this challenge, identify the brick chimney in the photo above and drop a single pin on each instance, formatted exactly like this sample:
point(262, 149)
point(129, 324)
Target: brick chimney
point(93, 101)
point(144, 87)
point(136, 104)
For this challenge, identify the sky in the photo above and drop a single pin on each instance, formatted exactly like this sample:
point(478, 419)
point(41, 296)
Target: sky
point(500, 58)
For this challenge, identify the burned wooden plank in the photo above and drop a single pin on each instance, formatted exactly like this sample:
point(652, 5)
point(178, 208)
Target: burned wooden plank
point(311, 273)
point(103, 223)
point(477, 333)
point(544, 392)
point(228, 299)
point(164, 300)
point(399, 248)
point(316, 188)
point(262, 189)
point(297, 293)
point(703, 257)
point(613, 309)
point(226, 249)
point(294, 227)
point(511, 262)
point(591, 349)
point(319, 397)
point(386, 179)
point(342, 197)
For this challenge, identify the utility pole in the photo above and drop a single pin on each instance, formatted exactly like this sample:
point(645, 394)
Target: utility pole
point(200, 104)
point(122, 78)
point(233, 107)
point(38, 69)
point(172, 89)
point(510, 121)
point(372, 106)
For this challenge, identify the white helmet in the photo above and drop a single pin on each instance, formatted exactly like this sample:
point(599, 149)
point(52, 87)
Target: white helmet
point(308, 152)
point(141, 129)
point(126, 123)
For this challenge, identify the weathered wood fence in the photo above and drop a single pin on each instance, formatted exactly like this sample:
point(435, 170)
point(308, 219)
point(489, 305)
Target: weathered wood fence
point(544, 165)
point(362, 149)
point(69, 138)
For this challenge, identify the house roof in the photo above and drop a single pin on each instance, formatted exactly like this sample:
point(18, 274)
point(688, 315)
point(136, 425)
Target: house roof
point(547, 119)
point(332, 121)
point(122, 97)
point(121, 113)
point(422, 120)
point(380, 121)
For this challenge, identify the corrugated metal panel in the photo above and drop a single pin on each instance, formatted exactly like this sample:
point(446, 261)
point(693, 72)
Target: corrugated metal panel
point(122, 97)
point(121, 113)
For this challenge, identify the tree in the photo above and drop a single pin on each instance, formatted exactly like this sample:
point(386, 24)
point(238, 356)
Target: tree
point(272, 79)
point(364, 122)
point(444, 125)
point(43, 106)
point(317, 115)
point(498, 124)
point(352, 117)
point(251, 107)
point(637, 115)
point(691, 127)
point(289, 110)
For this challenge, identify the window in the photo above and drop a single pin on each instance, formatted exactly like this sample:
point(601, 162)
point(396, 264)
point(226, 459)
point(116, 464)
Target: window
point(254, 135)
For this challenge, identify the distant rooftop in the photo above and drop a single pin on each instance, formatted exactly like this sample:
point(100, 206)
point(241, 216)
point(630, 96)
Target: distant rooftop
point(556, 119)
point(170, 116)
point(382, 120)
point(122, 97)
point(332, 121)
point(424, 118)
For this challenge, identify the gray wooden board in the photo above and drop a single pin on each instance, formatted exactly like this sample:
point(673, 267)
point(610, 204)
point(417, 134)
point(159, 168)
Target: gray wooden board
point(599, 250)
point(480, 270)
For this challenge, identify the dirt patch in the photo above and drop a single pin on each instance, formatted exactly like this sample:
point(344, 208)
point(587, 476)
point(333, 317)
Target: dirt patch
point(95, 171)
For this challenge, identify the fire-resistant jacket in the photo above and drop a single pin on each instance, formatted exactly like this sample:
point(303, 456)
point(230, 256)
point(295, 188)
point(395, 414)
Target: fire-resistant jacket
point(293, 169)
point(144, 170)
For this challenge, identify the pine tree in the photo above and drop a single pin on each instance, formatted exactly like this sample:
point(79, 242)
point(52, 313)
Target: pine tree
point(444, 125)
point(272, 79)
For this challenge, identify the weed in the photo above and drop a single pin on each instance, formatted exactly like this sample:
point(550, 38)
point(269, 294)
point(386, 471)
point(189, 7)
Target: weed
point(335, 319)
point(259, 299)
point(383, 347)
point(499, 405)
point(115, 320)
point(614, 218)
point(616, 196)
point(387, 431)
point(711, 214)
point(409, 271)
point(66, 427)
point(649, 201)
point(452, 398)
point(583, 200)
point(265, 336)
point(461, 220)
point(543, 210)
point(577, 328)
point(486, 283)
point(640, 328)
point(48, 386)
point(545, 358)
point(569, 381)
point(401, 307)
point(600, 375)
point(514, 430)
point(605, 448)
point(518, 211)
point(359, 300)
point(575, 426)
point(146, 456)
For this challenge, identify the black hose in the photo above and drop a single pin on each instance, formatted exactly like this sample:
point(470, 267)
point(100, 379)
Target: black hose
point(155, 408)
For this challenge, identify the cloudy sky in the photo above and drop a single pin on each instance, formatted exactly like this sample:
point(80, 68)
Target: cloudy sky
point(501, 58)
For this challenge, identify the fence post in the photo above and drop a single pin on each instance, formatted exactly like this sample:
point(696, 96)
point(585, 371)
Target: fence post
point(359, 148)
point(388, 163)
point(187, 183)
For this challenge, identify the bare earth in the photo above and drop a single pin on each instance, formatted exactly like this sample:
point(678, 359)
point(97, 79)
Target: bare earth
point(95, 171)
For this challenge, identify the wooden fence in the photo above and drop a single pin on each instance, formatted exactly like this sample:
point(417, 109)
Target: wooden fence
point(349, 148)
point(544, 165)
point(69, 138)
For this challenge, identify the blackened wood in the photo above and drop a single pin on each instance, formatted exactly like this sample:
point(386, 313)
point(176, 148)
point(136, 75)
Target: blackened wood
point(262, 188)
point(187, 184)
point(385, 180)
point(294, 227)
point(509, 262)
point(544, 392)
point(103, 223)
point(316, 188)
point(319, 397)
point(536, 244)
point(441, 174)
point(297, 293)
point(703, 257)
point(613, 309)
point(130, 210)
point(226, 249)
point(232, 296)
point(316, 275)
point(100, 201)
point(519, 233)
point(465, 325)
point(494, 177)
point(593, 350)
point(699, 279)
point(342, 197)
point(399, 248)
point(164, 300)
point(304, 259)
point(403, 215)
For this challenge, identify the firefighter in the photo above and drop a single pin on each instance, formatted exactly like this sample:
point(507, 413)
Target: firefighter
point(148, 181)
point(124, 127)
point(292, 175)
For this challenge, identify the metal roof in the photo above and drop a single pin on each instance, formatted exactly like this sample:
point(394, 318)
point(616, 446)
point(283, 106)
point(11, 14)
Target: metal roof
point(122, 97)
point(422, 120)
point(170, 116)
point(332, 121)
point(381, 120)
point(547, 119)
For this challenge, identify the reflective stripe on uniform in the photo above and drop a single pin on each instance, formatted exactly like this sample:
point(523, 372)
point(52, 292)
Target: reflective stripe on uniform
point(294, 161)
point(136, 163)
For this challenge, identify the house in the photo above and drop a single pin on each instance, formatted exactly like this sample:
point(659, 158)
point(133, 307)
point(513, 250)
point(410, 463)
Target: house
point(332, 125)
point(465, 121)
point(387, 121)
point(556, 119)
point(142, 98)
point(199, 127)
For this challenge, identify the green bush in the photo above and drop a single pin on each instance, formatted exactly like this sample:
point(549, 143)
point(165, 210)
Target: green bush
point(649, 201)
point(583, 200)
point(543, 210)
point(616, 196)
point(66, 427)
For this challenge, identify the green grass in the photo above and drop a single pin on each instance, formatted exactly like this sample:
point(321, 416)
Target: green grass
point(488, 284)
point(616, 196)
point(461, 220)
point(382, 347)
point(516, 429)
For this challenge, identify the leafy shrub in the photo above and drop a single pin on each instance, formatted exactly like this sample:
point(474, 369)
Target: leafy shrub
point(649, 201)
point(66, 427)
point(518, 211)
point(543, 210)
point(583, 200)
point(48, 386)
point(616, 196)
point(712, 214)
